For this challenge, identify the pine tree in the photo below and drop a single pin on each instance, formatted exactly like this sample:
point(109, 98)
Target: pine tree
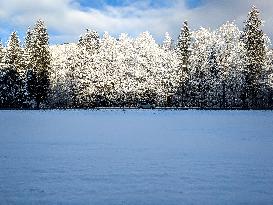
point(11, 89)
point(12, 79)
point(40, 63)
point(31, 86)
point(25, 66)
point(183, 49)
point(212, 79)
point(183, 53)
point(169, 62)
point(27, 49)
point(253, 38)
point(13, 56)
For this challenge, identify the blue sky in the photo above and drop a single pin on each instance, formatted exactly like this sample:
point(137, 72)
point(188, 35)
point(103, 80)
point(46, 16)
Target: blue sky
point(154, 3)
point(67, 19)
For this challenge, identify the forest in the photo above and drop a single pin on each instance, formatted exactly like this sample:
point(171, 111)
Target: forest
point(225, 68)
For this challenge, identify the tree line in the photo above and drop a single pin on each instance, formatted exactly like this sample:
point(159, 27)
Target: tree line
point(222, 68)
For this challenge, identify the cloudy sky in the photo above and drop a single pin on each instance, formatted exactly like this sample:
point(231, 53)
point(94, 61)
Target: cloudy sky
point(67, 19)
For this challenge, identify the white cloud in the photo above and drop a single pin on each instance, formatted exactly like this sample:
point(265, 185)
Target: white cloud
point(68, 19)
point(215, 12)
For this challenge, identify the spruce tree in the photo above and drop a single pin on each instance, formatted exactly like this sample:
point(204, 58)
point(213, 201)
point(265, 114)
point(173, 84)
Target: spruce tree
point(31, 87)
point(12, 83)
point(183, 54)
point(212, 80)
point(27, 48)
point(40, 63)
point(25, 67)
point(11, 89)
point(13, 56)
point(254, 42)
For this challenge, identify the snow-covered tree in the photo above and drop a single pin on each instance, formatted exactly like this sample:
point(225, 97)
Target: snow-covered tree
point(254, 40)
point(61, 78)
point(183, 54)
point(217, 61)
point(90, 41)
point(40, 60)
point(13, 55)
point(200, 48)
point(11, 89)
point(27, 49)
point(221, 68)
point(230, 61)
point(168, 42)
point(2, 53)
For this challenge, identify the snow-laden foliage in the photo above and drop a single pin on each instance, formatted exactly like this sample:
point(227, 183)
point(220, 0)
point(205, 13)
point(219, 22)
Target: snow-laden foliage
point(168, 42)
point(216, 62)
point(256, 44)
point(122, 71)
point(222, 68)
point(183, 50)
point(13, 55)
point(39, 61)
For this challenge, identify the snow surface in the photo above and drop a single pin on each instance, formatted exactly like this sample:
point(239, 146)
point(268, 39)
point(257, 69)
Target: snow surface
point(135, 157)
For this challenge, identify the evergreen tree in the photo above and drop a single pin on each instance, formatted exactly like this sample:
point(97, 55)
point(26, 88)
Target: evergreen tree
point(183, 53)
point(231, 53)
point(12, 82)
point(25, 66)
point(62, 78)
point(27, 49)
point(11, 89)
point(253, 38)
point(212, 80)
point(40, 62)
point(13, 56)
point(31, 86)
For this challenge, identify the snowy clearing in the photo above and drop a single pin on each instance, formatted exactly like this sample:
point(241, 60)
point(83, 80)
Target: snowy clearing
point(135, 157)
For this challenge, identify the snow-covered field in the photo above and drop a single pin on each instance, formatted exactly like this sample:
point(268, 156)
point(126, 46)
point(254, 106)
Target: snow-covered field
point(114, 157)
